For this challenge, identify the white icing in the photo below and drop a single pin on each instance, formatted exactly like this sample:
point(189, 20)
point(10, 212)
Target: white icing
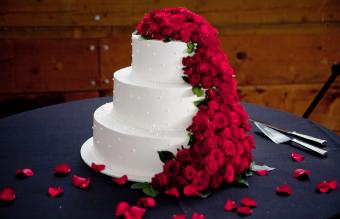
point(154, 60)
point(151, 109)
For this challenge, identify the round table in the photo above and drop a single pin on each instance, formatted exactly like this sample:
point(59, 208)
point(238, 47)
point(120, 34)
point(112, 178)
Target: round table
point(41, 138)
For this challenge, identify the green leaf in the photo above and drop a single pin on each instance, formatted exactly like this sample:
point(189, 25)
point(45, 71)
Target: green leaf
point(198, 102)
point(240, 181)
point(167, 39)
point(139, 185)
point(185, 78)
point(254, 167)
point(248, 173)
point(191, 138)
point(198, 91)
point(190, 47)
point(146, 188)
point(164, 156)
point(205, 194)
point(149, 190)
point(143, 37)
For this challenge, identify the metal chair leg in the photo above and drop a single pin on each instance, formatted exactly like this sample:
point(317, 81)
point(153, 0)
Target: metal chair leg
point(329, 82)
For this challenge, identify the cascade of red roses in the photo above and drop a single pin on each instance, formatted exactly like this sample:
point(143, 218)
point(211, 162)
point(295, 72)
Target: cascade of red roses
point(219, 147)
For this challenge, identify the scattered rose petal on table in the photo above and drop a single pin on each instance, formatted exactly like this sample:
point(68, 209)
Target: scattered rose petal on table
point(121, 208)
point(146, 202)
point(322, 187)
point(190, 190)
point(7, 194)
point(333, 184)
point(24, 173)
point(248, 202)
point(80, 182)
point(244, 211)
point(284, 190)
point(121, 180)
point(197, 215)
point(297, 157)
point(97, 167)
point(55, 191)
point(172, 192)
point(134, 212)
point(261, 172)
point(301, 174)
point(62, 169)
point(178, 216)
point(230, 205)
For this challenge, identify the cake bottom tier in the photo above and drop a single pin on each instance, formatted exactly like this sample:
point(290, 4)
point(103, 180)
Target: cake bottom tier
point(127, 150)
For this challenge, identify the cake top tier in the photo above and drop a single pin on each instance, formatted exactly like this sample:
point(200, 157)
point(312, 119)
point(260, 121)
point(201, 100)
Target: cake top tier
point(156, 61)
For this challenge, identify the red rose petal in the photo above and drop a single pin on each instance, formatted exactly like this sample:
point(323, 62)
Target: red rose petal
point(284, 190)
point(230, 205)
point(179, 216)
point(333, 184)
point(301, 174)
point(55, 191)
point(248, 202)
point(146, 202)
point(172, 192)
point(62, 169)
point(196, 215)
point(7, 194)
point(323, 187)
point(297, 157)
point(24, 173)
point(261, 172)
point(121, 180)
point(190, 190)
point(80, 182)
point(121, 208)
point(134, 212)
point(244, 211)
point(97, 167)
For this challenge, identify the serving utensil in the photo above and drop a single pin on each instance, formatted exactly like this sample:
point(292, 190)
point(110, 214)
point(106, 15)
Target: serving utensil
point(319, 141)
point(279, 138)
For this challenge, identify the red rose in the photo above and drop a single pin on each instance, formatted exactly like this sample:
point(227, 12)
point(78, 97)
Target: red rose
point(216, 181)
point(160, 181)
point(228, 148)
point(220, 120)
point(201, 182)
point(184, 35)
point(204, 68)
point(172, 168)
point(188, 61)
point(184, 156)
point(229, 175)
point(177, 18)
point(218, 155)
point(225, 134)
point(206, 82)
point(235, 118)
point(189, 173)
point(179, 182)
point(211, 165)
point(194, 79)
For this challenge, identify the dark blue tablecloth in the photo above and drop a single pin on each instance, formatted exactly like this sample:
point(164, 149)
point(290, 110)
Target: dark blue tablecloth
point(41, 138)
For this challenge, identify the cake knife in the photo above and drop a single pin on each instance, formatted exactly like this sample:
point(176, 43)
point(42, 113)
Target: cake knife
point(319, 141)
point(279, 138)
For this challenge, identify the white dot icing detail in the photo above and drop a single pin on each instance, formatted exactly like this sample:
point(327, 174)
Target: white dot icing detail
point(147, 113)
point(134, 150)
point(118, 139)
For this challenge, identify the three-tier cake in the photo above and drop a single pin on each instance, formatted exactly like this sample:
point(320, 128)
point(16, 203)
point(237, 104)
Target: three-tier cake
point(152, 107)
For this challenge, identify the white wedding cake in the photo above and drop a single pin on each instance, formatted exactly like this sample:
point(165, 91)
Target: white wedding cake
point(152, 107)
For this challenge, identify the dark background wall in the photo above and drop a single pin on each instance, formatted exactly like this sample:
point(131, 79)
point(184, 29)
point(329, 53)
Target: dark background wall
point(53, 51)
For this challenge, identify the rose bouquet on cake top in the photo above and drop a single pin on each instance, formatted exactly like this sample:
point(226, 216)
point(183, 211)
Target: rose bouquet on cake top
point(219, 150)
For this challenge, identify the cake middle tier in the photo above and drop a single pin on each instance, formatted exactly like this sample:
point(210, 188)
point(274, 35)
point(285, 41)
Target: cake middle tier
point(152, 106)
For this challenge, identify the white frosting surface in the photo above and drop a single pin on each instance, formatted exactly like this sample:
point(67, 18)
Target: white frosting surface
point(158, 61)
point(151, 109)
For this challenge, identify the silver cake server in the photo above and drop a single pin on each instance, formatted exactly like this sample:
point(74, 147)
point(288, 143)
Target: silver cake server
point(297, 134)
point(279, 138)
